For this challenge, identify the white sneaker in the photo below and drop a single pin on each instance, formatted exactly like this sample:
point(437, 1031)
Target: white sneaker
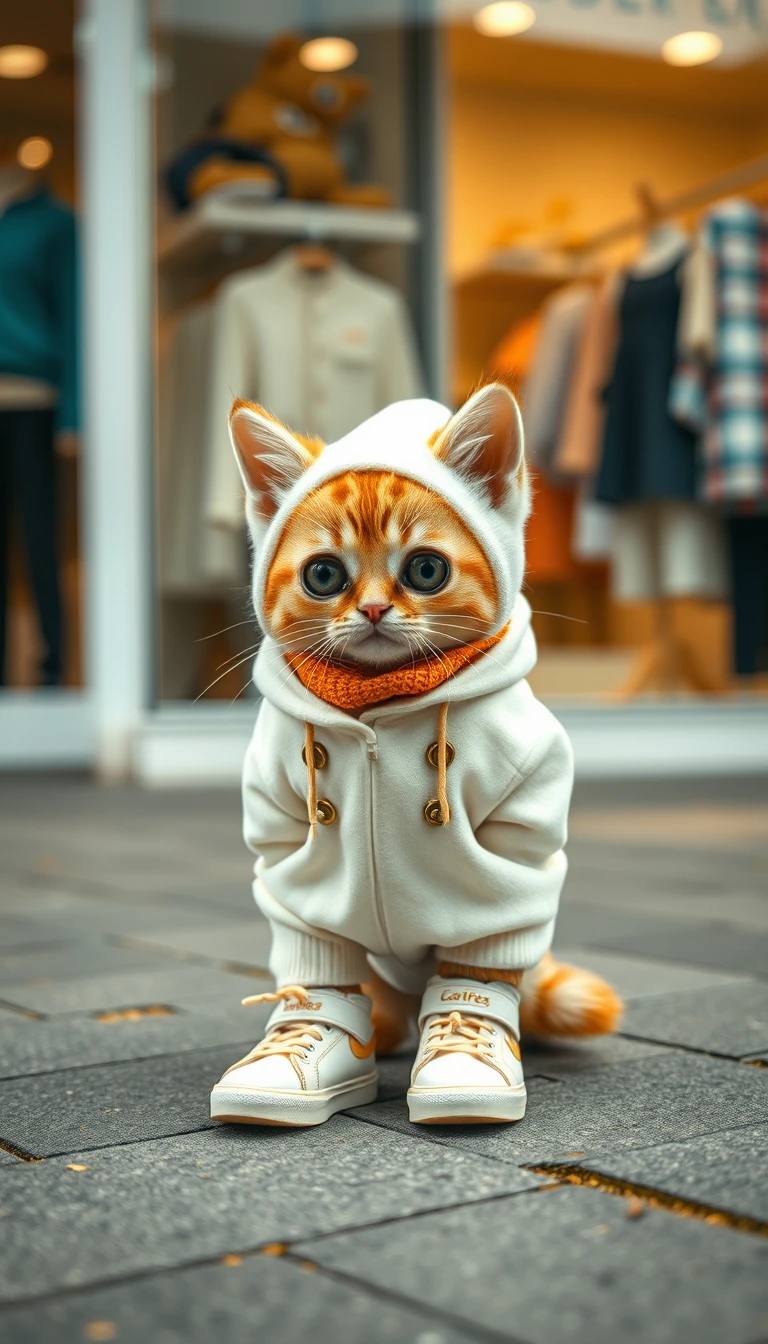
point(468, 1067)
point(317, 1057)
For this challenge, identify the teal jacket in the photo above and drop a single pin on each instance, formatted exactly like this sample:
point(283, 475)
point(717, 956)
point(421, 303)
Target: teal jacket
point(39, 328)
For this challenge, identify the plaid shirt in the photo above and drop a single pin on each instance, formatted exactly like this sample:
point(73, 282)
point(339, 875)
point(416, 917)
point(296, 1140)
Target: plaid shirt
point(725, 396)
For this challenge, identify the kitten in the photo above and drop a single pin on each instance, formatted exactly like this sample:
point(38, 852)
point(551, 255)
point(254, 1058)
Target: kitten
point(398, 574)
point(374, 572)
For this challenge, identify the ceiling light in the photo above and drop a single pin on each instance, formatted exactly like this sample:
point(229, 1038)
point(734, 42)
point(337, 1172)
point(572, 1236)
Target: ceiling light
point(22, 62)
point(328, 53)
point(34, 152)
point(692, 48)
point(504, 18)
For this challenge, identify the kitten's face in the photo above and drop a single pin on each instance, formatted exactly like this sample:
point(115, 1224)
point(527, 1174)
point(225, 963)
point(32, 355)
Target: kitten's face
point(377, 570)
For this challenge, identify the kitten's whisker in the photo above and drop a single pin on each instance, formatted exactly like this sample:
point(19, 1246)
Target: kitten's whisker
point(243, 653)
point(250, 621)
point(220, 678)
point(561, 615)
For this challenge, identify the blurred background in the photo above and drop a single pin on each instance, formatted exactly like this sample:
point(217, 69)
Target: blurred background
point(333, 207)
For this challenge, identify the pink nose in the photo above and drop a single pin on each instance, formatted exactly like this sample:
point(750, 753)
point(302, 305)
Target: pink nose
point(375, 610)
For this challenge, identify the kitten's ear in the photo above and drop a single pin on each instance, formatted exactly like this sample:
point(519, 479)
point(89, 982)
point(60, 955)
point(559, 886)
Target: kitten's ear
point(271, 459)
point(483, 442)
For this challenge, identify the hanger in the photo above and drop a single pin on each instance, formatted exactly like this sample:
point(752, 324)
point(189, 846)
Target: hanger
point(650, 208)
point(315, 258)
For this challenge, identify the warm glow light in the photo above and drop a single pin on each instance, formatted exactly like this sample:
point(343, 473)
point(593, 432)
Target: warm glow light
point(504, 18)
point(691, 48)
point(328, 53)
point(34, 152)
point(22, 62)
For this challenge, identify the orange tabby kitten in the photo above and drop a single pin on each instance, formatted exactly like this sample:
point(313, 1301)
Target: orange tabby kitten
point(403, 578)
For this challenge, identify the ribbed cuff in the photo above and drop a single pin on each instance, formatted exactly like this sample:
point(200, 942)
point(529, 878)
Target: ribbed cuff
point(300, 958)
point(503, 951)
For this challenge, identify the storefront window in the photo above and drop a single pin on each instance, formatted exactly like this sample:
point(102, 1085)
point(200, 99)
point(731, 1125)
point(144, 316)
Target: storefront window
point(40, 354)
point(604, 257)
point(593, 200)
point(288, 233)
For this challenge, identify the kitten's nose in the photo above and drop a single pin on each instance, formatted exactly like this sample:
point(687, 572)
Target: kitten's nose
point(375, 610)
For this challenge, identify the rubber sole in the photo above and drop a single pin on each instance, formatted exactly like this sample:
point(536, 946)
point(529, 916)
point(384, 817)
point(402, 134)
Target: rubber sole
point(466, 1106)
point(292, 1110)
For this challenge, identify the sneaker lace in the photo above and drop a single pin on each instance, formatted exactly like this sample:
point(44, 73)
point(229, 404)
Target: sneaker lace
point(456, 1033)
point(291, 1039)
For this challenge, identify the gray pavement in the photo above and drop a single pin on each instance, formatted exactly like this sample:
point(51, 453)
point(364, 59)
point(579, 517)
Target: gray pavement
point(631, 1204)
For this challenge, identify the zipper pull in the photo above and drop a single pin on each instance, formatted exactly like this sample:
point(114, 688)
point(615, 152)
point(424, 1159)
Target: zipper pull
point(373, 749)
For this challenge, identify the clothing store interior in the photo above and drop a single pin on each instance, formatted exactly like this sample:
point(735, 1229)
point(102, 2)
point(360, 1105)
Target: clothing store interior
point(371, 202)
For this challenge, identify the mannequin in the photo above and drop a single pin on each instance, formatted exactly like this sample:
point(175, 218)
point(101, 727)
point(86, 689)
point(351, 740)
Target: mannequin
point(39, 394)
point(667, 548)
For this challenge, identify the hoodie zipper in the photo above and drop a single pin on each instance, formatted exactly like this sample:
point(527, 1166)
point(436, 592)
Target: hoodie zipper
point(372, 755)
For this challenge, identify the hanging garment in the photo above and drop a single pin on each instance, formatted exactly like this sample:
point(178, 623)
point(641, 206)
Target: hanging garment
point(668, 548)
point(28, 491)
point(193, 559)
point(646, 454)
point(39, 300)
point(748, 545)
point(581, 437)
point(720, 388)
point(548, 384)
point(323, 351)
point(548, 533)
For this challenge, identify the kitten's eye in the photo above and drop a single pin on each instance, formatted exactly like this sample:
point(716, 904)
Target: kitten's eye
point(324, 577)
point(426, 572)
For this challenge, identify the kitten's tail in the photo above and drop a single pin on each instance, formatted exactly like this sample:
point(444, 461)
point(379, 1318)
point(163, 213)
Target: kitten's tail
point(556, 1000)
point(561, 1000)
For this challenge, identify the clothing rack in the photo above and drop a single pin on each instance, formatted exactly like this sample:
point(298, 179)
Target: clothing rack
point(653, 211)
point(666, 661)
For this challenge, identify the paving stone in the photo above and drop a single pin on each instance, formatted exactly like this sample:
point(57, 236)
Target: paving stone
point(567, 1265)
point(717, 945)
point(98, 913)
point(244, 942)
point(170, 983)
point(640, 978)
point(188, 1198)
point(724, 1170)
point(630, 1105)
point(87, 957)
point(260, 1298)
point(725, 1020)
point(98, 1107)
point(37, 1047)
point(557, 1059)
point(19, 934)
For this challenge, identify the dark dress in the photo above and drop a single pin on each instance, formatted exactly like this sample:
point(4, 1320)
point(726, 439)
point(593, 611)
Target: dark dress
point(646, 454)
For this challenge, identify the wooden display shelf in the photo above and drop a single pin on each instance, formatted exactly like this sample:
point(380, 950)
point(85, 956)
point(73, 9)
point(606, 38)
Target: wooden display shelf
point(496, 279)
point(216, 222)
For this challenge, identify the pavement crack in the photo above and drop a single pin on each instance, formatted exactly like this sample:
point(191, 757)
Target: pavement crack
point(655, 1199)
point(22, 1155)
point(22, 1012)
point(389, 1295)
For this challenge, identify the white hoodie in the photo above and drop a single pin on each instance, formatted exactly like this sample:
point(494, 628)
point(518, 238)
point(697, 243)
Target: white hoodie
point(482, 890)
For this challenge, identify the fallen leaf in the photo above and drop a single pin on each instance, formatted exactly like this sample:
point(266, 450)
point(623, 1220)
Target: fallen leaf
point(76, 1166)
point(232, 1260)
point(636, 1208)
point(274, 1248)
point(99, 1330)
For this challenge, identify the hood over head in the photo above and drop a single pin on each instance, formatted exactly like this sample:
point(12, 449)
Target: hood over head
point(473, 460)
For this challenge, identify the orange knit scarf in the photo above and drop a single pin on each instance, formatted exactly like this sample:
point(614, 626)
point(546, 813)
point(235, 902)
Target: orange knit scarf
point(351, 689)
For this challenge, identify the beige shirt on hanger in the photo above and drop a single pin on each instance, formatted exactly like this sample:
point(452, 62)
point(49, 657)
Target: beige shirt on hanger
point(323, 351)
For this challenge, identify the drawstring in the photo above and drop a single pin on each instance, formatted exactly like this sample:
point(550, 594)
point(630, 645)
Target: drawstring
point(442, 763)
point(309, 752)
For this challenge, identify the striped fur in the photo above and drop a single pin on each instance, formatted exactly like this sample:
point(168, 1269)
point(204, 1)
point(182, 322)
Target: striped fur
point(374, 521)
